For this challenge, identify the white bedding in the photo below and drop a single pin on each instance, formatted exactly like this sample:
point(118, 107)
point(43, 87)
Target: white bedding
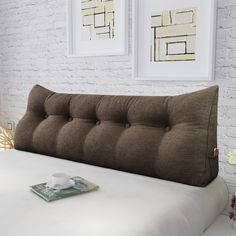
point(125, 205)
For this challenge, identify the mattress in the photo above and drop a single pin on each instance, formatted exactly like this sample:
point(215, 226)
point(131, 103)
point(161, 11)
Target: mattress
point(125, 204)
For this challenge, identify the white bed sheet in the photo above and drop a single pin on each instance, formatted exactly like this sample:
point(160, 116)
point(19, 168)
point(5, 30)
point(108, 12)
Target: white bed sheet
point(125, 205)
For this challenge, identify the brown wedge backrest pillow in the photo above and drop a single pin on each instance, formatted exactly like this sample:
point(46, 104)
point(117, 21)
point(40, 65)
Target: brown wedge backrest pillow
point(171, 138)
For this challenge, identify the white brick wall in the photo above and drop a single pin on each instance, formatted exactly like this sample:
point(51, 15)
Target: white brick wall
point(33, 48)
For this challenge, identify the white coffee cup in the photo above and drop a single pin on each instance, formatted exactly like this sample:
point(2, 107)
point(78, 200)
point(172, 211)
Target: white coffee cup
point(60, 179)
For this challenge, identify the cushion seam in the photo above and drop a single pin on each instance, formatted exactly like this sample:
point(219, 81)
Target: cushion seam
point(208, 126)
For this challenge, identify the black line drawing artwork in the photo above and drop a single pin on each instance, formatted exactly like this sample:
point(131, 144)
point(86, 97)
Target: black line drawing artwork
point(98, 19)
point(173, 35)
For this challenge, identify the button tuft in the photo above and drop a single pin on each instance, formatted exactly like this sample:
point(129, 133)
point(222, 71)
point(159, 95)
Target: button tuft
point(127, 125)
point(167, 128)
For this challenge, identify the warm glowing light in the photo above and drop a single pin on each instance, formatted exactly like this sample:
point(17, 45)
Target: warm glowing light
point(6, 139)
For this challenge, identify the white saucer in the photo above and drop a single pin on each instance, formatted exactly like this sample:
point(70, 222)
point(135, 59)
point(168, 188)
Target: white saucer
point(70, 184)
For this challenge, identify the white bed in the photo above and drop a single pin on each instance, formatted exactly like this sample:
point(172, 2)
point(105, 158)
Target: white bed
point(125, 205)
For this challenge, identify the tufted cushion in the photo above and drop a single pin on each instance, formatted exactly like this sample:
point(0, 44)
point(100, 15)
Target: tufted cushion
point(172, 138)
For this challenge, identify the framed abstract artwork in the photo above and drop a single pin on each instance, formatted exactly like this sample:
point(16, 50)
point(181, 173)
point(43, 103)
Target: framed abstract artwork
point(174, 40)
point(97, 27)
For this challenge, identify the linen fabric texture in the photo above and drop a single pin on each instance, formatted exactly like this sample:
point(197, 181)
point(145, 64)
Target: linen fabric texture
point(167, 137)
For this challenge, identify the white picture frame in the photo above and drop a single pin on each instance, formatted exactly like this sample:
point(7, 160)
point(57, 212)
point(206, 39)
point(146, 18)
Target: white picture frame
point(91, 35)
point(201, 64)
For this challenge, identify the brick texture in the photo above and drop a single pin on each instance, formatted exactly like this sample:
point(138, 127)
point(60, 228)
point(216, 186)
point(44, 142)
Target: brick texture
point(33, 49)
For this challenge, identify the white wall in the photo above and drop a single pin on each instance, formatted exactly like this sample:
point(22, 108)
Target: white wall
point(33, 48)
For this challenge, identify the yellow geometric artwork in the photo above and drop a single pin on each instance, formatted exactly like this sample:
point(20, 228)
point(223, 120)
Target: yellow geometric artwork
point(97, 19)
point(173, 35)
